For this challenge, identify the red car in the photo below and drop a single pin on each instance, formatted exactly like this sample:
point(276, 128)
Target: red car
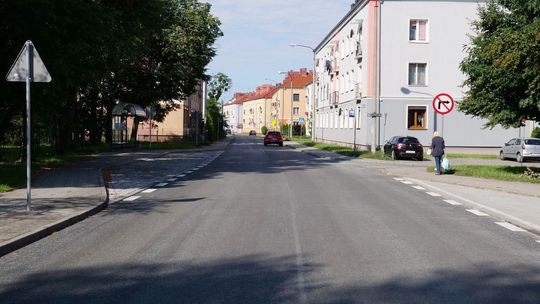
point(273, 137)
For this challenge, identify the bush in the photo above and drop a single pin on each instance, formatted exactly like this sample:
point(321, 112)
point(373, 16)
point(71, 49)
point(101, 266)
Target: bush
point(535, 132)
point(264, 129)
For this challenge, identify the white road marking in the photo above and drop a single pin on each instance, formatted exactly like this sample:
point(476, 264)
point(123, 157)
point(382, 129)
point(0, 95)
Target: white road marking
point(452, 202)
point(171, 180)
point(162, 184)
point(407, 182)
point(538, 241)
point(477, 212)
point(181, 175)
point(131, 198)
point(433, 194)
point(398, 179)
point(419, 188)
point(149, 190)
point(510, 226)
point(491, 210)
point(195, 169)
point(188, 172)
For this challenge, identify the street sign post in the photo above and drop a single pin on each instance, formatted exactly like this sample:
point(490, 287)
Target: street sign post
point(443, 104)
point(28, 67)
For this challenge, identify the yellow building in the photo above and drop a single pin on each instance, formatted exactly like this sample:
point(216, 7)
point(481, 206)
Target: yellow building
point(257, 110)
point(289, 102)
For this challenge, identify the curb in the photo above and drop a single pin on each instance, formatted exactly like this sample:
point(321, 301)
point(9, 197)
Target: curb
point(533, 228)
point(41, 233)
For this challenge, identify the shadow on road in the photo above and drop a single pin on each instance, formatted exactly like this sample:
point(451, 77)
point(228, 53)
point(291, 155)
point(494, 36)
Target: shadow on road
point(262, 279)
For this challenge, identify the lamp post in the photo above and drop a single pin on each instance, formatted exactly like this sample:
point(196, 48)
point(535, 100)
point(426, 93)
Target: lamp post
point(313, 106)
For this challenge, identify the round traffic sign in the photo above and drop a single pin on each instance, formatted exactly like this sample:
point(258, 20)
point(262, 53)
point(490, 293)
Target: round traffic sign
point(443, 103)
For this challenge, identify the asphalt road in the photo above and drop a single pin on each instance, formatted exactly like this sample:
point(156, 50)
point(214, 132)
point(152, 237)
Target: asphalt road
point(273, 225)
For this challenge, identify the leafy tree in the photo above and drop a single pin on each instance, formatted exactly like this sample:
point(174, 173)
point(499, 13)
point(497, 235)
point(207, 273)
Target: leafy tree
point(215, 123)
point(503, 63)
point(100, 52)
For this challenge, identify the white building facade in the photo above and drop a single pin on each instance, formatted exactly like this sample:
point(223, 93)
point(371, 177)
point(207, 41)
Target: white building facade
point(233, 113)
point(381, 66)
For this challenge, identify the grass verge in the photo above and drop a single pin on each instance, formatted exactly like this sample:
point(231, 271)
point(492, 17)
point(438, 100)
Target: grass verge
point(12, 176)
point(478, 156)
point(504, 173)
point(340, 149)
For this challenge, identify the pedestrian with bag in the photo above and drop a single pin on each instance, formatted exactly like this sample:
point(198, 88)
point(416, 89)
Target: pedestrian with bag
point(437, 150)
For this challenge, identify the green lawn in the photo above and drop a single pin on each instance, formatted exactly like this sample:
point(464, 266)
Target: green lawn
point(504, 173)
point(12, 176)
point(340, 149)
point(480, 156)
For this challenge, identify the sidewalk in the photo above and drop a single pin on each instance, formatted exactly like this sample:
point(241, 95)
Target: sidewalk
point(65, 196)
point(514, 202)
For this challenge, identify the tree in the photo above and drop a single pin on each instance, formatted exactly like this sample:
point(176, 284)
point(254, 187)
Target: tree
point(503, 63)
point(218, 84)
point(100, 52)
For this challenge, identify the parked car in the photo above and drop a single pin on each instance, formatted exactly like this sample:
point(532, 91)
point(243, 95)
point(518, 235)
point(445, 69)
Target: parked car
point(521, 149)
point(252, 132)
point(273, 137)
point(404, 147)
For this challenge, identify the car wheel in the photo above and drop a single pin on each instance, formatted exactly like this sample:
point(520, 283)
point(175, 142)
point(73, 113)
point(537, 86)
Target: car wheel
point(420, 158)
point(394, 155)
point(281, 144)
point(519, 158)
point(501, 156)
point(265, 144)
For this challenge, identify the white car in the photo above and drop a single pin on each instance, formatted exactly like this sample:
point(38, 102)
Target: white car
point(521, 149)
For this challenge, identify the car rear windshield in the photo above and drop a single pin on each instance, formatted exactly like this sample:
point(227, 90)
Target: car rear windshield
point(535, 142)
point(273, 133)
point(408, 140)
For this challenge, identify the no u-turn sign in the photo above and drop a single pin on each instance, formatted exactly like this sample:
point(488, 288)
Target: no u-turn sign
point(443, 103)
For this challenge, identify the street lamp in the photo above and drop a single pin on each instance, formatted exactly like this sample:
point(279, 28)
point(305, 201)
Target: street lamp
point(313, 107)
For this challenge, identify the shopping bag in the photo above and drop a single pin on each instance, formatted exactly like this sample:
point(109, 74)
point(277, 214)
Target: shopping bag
point(445, 164)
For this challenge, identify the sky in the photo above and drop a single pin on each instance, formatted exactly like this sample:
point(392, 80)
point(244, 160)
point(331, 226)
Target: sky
point(257, 35)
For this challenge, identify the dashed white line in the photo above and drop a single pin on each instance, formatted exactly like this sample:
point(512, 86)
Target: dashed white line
point(162, 184)
point(419, 188)
point(510, 226)
point(181, 175)
point(452, 202)
point(188, 172)
point(195, 169)
point(131, 198)
point(477, 212)
point(433, 194)
point(398, 179)
point(171, 180)
point(407, 182)
point(149, 190)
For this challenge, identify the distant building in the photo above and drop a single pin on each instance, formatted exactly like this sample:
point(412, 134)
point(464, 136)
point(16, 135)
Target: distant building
point(233, 112)
point(181, 124)
point(257, 109)
point(379, 69)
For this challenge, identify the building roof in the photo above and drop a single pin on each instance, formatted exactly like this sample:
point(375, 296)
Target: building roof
point(298, 79)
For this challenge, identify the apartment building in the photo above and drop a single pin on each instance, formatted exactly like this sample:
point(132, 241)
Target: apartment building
point(233, 112)
point(290, 101)
point(379, 69)
point(257, 109)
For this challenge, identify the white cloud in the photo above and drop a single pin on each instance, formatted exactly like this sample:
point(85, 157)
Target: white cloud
point(257, 34)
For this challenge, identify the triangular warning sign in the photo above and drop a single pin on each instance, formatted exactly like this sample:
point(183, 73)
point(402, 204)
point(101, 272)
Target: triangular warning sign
point(22, 67)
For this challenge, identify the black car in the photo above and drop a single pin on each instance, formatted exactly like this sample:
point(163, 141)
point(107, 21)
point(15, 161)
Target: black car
point(404, 147)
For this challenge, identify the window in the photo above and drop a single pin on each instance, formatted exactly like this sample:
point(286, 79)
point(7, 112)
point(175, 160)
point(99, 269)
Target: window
point(418, 30)
point(417, 74)
point(417, 117)
point(296, 111)
point(296, 97)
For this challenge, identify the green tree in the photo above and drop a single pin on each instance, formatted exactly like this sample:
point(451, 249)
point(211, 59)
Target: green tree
point(100, 52)
point(503, 63)
point(215, 122)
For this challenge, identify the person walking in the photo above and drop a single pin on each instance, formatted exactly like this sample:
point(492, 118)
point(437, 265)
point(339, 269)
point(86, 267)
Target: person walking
point(437, 150)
